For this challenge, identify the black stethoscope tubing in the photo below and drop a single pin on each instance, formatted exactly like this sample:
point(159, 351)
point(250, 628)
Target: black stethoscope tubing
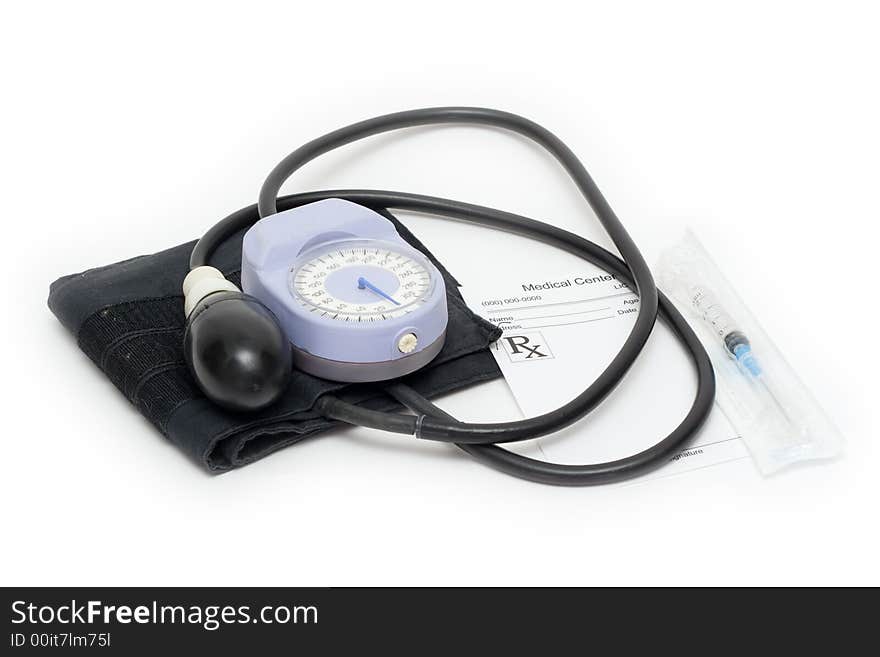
point(481, 439)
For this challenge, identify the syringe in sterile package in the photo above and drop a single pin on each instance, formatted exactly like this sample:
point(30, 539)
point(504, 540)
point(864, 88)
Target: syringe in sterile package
point(760, 394)
point(735, 343)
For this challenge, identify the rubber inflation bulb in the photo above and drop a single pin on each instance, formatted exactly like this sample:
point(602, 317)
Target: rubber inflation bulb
point(236, 351)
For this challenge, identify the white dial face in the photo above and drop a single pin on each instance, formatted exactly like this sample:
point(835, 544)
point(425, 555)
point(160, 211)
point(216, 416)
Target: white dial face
point(361, 281)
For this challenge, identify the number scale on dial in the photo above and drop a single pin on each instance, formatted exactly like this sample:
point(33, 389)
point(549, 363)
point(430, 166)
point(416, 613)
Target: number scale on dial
point(361, 284)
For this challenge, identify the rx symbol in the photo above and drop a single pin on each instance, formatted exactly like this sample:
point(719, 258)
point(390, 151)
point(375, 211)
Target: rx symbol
point(520, 345)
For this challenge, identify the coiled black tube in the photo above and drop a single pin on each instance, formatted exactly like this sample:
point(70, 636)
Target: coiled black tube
point(480, 439)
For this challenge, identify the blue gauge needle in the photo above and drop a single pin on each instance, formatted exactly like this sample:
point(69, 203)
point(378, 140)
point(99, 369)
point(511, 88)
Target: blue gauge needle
point(364, 283)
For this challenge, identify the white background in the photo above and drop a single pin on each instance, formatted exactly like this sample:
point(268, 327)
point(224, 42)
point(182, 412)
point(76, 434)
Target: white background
point(126, 130)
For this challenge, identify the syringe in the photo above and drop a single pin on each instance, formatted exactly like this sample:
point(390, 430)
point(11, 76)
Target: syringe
point(734, 341)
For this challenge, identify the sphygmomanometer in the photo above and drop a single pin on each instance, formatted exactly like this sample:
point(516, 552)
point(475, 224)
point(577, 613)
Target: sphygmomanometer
point(330, 288)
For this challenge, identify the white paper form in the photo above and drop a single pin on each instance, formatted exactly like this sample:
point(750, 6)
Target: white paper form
point(561, 329)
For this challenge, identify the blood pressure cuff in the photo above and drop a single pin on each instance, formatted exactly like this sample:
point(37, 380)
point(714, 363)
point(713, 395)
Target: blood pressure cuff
point(128, 318)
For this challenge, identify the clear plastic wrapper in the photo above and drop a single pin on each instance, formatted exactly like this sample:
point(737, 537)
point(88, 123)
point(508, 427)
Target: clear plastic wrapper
point(765, 401)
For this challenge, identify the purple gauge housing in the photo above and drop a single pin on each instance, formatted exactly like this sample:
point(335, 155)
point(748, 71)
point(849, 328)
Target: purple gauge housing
point(356, 301)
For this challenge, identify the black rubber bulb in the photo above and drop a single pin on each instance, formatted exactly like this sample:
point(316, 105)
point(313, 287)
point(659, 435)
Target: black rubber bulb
point(237, 352)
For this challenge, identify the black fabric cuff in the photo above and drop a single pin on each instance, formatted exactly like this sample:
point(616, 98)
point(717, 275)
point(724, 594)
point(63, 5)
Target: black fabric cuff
point(128, 318)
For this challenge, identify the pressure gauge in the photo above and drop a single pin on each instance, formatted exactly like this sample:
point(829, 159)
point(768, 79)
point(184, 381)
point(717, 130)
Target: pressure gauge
point(362, 281)
point(357, 302)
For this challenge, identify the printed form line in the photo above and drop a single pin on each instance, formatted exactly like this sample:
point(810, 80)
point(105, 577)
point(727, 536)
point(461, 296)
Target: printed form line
point(583, 321)
point(580, 312)
point(567, 303)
